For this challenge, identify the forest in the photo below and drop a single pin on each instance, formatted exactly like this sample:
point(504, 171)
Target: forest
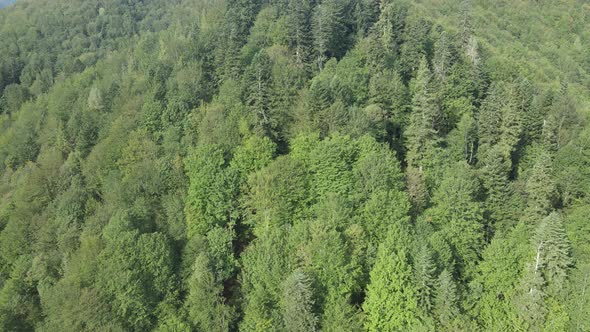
point(295, 165)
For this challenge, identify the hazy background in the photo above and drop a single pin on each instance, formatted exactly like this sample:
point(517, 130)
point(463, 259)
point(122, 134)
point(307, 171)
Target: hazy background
point(4, 3)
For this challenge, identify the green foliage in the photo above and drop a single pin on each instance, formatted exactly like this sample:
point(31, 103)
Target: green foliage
point(391, 303)
point(205, 306)
point(555, 249)
point(459, 216)
point(298, 302)
point(135, 273)
point(424, 270)
point(294, 165)
point(422, 131)
point(210, 194)
point(278, 193)
point(446, 300)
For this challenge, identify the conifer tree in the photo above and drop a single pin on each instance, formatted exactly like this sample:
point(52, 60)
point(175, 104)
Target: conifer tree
point(422, 131)
point(339, 315)
point(459, 216)
point(540, 189)
point(391, 24)
point(549, 135)
point(443, 57)
point(553, 250)
point(466, 23)
point(205, 304)
point(424, 270)
point(300, 31)
point(494, 175)
point(95, 99)
point(257, 81)
point(529, 300)
point(298, 304)
point(414, 47)
point(329, 30)
point(500, 122)
point(446, 299)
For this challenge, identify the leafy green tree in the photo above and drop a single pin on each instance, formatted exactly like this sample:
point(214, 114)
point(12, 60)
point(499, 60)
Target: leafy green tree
point(134, 295)
point(378, 218)
point(264, 270)
point(391, 302)
point(331, 166)
point(278, 193)
point(19, 305)
point(211, 190)
point(220, 250)
point(375, 169)
point(13, 97)
point(495, 284)
point(459, 216)
point(255, 153)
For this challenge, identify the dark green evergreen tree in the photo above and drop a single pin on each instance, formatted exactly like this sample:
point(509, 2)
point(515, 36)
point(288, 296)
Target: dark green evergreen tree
point(424, 271)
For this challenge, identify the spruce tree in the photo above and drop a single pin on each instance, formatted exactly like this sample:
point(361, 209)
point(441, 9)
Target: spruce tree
point(540, 188)
point(329, 30)
point(299, 23)
point(205, 304)
point(494, 175)
point(298, 304)
point(529, 300)
point(446, 299)
point(554, 252)
point(422, 131)
point(424, 270)
point(414, 47)
point(257, 81)
point(443, 57)
point(458, 215)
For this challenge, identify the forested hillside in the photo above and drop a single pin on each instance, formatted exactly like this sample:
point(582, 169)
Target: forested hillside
point(295, 165)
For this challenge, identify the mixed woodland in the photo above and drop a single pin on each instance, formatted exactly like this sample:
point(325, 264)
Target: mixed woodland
point(295, 165)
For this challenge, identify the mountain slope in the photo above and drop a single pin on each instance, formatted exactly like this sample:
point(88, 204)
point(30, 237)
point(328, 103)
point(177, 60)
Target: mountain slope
point(294, 165)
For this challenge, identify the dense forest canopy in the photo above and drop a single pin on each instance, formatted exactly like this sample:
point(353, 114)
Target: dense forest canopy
point(295, 165)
